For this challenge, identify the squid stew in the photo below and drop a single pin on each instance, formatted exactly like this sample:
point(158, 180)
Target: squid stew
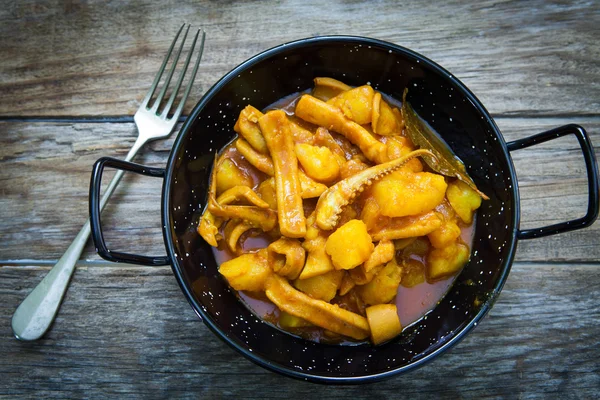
point(337, 215)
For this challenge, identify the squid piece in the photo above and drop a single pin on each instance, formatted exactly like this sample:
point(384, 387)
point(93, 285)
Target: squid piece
point(310, 187)
point(318, 312)
point(407, 227)
point(318, 261)
point(330, 204)
point(258, 217)
point(299, 134)
point(320, 113)
point(323, 138)
point(287, 257)
point(247, 127)
point(356, 104)
point(326, 88)
point(346, 285)
point(232, 232)
point(209, 228)
point(383, 252)
point(260, 161)
point(238, 193)
point(276, 131)
point(384, 322)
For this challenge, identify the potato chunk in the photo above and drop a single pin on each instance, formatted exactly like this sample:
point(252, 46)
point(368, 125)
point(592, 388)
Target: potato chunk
point(383, 288)
point(413, 273)
point(445, 235)
point(447, 261)
point(463, 199)
point(289, 321)
point(384, 322)
point(319, 163)
point(403, 193)
point(356, 104)
point(350, 245)
point(322, 287)
point(383, 120)
point(249, 271)
point(230, 175)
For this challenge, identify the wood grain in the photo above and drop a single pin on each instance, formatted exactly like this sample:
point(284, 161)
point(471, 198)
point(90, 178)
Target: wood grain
point(45, 170)
point(78, 58)
point(129, 332)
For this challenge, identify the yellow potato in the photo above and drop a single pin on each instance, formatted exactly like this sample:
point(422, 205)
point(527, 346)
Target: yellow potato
point(350, 245)
point(402, 193)
point(249, 271)
point(463, 200)
point(383, 287)
point(413, 273)
point(230, 175)
point(383, 121)
point(322, 287)
point(384, 322)
point(445, 235)
point(356, 104)
point(398, 146)
point(319, 163)
point(447, 261)
point(266, 190)
point(289, 321)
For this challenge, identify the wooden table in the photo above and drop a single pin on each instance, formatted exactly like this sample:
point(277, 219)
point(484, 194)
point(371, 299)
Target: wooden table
point(73, 74)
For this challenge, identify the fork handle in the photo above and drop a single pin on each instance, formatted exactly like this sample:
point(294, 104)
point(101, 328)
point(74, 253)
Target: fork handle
point(36, 313)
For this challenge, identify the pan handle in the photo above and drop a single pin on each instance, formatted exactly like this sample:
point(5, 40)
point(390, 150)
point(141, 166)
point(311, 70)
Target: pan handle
point(592, 176)
point(96, 224)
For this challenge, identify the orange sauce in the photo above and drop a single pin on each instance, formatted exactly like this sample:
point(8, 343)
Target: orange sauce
point(412, 303)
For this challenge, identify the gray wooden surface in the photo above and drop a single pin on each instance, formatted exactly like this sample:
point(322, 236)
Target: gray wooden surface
point(73, 73)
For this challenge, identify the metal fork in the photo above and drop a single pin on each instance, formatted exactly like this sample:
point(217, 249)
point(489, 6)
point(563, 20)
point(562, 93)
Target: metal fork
point(35, 314)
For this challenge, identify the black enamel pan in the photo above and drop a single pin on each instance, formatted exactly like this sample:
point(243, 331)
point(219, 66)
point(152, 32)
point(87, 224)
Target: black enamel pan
point(447, 105)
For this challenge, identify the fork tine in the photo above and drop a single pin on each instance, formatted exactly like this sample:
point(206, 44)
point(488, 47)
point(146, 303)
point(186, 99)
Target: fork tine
point(191, 82)
point(161, 95)
point(160, 71)
point(181, 77)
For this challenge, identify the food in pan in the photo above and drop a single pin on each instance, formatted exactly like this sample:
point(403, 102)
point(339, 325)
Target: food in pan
point(331, 206)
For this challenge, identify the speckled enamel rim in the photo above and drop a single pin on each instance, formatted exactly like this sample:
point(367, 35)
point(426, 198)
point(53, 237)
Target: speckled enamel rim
point(167, 222)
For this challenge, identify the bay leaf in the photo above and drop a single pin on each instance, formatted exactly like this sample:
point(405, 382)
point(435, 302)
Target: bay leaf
point(445, 161)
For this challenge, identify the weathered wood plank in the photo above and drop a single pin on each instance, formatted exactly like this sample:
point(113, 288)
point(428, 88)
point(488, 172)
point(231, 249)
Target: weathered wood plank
point(93, 58)
point(45, 171)
point(128, 332)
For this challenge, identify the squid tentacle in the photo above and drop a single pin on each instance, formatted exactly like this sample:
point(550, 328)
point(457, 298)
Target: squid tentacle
point(331, 202)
